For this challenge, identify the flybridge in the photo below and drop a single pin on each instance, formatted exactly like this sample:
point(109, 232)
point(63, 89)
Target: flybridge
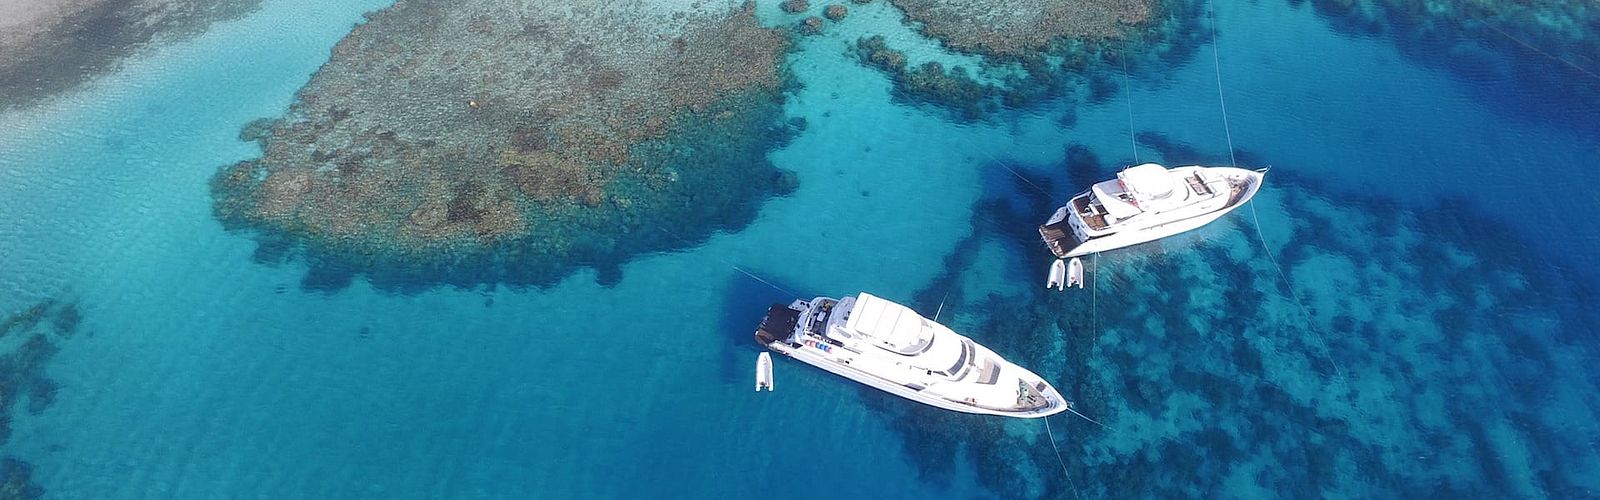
point(893, 327)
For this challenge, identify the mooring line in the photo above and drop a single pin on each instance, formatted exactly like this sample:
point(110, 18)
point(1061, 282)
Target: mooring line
point(768, 283)
point(1217, 66)
point(1216, 60)
point(1015, 172)
point(1287, 283)
point(1127, 88)
point(1086, 417)
point(1519, 41)
point(736, 267)
point(1094, 303)
point(1063, 463)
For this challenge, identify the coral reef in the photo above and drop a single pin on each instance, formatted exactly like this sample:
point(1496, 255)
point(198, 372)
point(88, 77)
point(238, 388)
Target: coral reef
point(811, 25)
point(464, 144)
point(930, 83)
point(1531, 59)
point(27, 318)
point(16, 481)
point(836, 12)
point(22, 377)
point(875, 52)
point(1056, 62)
point(1546, 52)
point(49, 47)
point(1015, 28)
point(22, 369)
point(1412, 368)
point(795, 6)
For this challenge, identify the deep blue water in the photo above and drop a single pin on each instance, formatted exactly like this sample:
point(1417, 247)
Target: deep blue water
point(1439, 241)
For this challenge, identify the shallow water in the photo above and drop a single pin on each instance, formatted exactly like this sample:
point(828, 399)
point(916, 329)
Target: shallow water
point(1433, 336)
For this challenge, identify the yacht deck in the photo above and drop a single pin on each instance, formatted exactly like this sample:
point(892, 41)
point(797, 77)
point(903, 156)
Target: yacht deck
point(1096, 220)
point(1198, 185)
point(1059, 237)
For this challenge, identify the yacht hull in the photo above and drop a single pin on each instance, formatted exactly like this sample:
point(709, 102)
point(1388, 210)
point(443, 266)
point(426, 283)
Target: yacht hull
point(1123, 239)
point(1136, 235)
point(819, 360)
point(793, 331)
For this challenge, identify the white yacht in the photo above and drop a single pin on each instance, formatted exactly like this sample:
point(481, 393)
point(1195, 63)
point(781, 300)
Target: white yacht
point(1145, 203)
point(888, 346)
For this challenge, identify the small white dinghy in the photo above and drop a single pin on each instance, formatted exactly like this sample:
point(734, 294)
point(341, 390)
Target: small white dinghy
point(1058, 275)
point(1074, 273)
point(764, 372)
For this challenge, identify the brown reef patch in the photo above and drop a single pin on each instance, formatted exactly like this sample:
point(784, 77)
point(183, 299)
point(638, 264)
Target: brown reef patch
point(464, 132)
point(1014, 28)
point(1042, 58)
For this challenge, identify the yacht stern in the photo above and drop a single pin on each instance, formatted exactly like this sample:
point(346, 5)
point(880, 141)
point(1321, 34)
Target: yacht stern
point(779, 324)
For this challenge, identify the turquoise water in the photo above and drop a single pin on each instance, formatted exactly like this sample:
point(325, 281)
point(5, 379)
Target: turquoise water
point(1443, 344)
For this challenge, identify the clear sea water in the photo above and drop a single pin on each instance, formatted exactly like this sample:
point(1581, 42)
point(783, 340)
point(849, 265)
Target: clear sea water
point(198, 373)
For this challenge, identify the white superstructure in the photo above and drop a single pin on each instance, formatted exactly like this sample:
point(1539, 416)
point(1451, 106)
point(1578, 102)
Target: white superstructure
point(1145, 203)
point(890, 347)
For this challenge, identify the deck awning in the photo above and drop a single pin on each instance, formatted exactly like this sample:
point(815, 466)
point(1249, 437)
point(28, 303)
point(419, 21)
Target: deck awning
point(891, 326)
point(1148, 181)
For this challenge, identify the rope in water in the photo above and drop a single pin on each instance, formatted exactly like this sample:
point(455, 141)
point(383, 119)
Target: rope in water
point(1016, 173)
point(736, 267)
point(1127, 88)
point(1217, 67)
point(1086, 417)
point(1267, 249)
point(768, 283)
point(1094, 304)
point(1063, 463)
point(1541, 52)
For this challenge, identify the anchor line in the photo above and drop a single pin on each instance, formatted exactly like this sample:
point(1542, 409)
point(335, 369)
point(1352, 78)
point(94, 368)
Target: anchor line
point(763, 281)
point(1127, 88)
point(1063, 463)
point(1287, 283)
point(1217, 66)
point(1016, 173)
point(1094, 303)
point(736, 267)
point(1216, 61)
point(1086, 417)
point(1541, 52)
